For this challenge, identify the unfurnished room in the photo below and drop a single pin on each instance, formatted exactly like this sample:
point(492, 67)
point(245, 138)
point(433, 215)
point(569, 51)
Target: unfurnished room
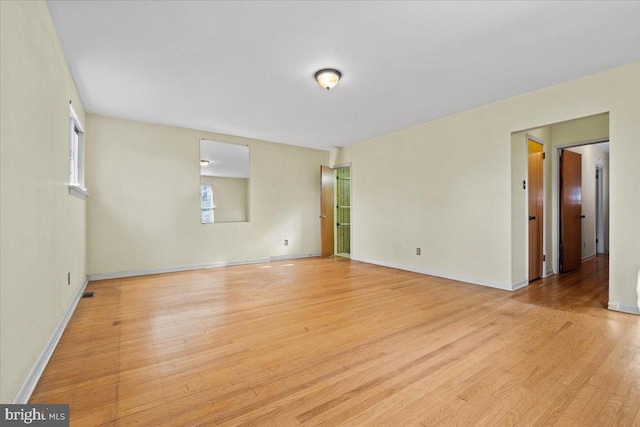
point(340, 213)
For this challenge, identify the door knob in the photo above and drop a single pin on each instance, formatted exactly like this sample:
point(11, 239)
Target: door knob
point(582, 216)
point(322, 216)
point(531, 218)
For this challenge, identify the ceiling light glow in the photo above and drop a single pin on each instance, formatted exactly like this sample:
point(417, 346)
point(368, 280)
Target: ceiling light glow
point(327, 77)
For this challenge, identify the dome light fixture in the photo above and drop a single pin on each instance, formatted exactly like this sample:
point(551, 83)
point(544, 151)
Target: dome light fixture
point(327, 77)
point(204, 162)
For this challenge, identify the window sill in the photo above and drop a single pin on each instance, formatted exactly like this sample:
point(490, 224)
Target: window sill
point(79, 192)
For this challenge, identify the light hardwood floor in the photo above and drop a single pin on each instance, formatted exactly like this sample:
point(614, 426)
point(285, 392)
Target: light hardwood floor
point(338, 342)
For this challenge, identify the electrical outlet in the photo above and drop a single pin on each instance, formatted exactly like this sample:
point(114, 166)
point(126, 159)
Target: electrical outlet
point(417, 251)
point(286, 243)
point(69, 279)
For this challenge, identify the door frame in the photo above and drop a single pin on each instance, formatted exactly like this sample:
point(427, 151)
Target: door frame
point(335, 210)
point(555, 197)
point(545, 271)
point(599, 210)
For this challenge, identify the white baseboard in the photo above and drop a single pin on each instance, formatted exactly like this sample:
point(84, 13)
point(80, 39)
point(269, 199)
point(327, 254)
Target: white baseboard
point(285, 257)
point(520, 284)
point(434, 273)
point(133, 273)
point(524, 282)
point(624, 308)
point(31, 380)
point(588, 257)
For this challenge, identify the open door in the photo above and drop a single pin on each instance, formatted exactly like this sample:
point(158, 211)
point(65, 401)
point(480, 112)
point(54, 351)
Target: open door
point(536, 214)
point(326, 210)
point(570, 211)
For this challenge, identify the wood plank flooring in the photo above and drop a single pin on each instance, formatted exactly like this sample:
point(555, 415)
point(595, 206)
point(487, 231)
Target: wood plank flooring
point(337, 342)
point(585, 290)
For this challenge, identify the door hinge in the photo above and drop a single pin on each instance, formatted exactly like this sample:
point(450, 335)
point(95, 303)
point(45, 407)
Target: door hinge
point(544, 156)
point(524, 185)
point(544, 257)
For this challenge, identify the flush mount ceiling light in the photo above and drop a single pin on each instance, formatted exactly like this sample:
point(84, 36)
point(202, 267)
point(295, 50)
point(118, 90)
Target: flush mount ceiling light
point(204, 162)
point(327, 77)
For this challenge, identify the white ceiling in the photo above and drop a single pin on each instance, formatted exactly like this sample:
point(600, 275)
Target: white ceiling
point(225, 160)
point(246, 68)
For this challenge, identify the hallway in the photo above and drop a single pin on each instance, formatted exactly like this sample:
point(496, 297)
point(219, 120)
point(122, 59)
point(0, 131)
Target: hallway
point(585, 290)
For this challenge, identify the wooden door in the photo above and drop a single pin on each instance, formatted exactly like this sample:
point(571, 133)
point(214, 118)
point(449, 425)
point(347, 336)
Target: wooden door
point(536, 212)
point(326, 210)
point(570, 211)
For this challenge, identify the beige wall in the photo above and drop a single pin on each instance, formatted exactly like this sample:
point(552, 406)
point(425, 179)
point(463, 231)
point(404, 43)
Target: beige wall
point(447, 184)
point(42, 226)
point(144, 210)
point(581, 130)
point(230, 197)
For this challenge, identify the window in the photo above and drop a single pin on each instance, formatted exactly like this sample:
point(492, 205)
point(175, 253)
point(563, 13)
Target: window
point(76, 156)
point(206, 204)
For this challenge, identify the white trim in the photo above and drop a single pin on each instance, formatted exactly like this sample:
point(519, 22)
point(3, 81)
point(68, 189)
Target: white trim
point(76, 153)
point(31, 380)
point(519, 285)
point(342, 165)
point(133, 273)
point(588, 257)
point(436, 274)
point(583, 143)
point(285, 257)
point(79, 192)
point(624, 308)
point(74, 116)
point(548, 273)
point(600, 208)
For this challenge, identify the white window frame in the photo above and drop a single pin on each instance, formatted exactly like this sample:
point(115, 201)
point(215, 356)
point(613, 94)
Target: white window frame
point(76, 156)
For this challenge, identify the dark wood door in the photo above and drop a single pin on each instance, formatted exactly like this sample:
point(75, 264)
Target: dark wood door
point(570, 211)
point(327, 178)
point(536, 213)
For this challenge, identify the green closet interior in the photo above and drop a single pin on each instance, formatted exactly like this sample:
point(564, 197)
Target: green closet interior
point(343, 211)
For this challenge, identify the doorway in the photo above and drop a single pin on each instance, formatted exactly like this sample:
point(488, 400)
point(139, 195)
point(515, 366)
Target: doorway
point(561, 135)
point(343, 211)
point(583, 170)
point(335, 210)
point(599, 211)
point(535, 148)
